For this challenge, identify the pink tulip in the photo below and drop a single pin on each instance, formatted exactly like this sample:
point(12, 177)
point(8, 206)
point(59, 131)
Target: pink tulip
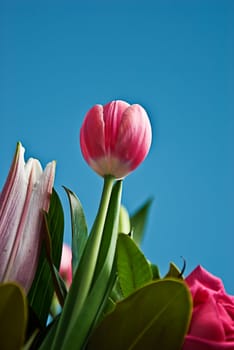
point(25, 195)
point(65, 269)
point(115, 138)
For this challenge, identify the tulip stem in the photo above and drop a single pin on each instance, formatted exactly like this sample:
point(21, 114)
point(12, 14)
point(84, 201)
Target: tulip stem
point(97, 229)
point(85, 273)
point(89, 259)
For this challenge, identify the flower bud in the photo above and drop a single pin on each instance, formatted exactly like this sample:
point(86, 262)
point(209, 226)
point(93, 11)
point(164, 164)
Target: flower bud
point(115, 138)
point(25, 195)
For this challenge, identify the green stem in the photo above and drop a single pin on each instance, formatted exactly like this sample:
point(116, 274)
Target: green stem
point(91, 252)
point(83, 277)
point(103, 206)
point(96, 233)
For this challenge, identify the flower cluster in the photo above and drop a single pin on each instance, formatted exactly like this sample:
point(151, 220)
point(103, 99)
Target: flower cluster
point(102, 293)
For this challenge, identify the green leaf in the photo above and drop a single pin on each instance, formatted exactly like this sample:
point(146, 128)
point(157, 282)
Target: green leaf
point(173, 271)
point(138, 222)
point(59, 285)
point(83, 316)
point(79, 228)
point(42, 290)
point(92, 310)
point(124, 221)
point(156, 316)
point(109, 306)
point(48, 338)
point(155, 271)
point(116, 293)
point(13, 316)
point(30, 343)
point(133, 268)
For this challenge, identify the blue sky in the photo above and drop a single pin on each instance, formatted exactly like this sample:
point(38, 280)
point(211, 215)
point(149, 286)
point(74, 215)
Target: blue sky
point(176, 58)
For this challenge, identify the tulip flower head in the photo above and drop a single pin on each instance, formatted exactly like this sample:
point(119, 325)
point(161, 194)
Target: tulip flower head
point(115, 138)
point(25, 195)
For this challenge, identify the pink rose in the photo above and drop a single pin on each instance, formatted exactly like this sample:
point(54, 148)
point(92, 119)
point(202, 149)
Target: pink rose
point(212, 324)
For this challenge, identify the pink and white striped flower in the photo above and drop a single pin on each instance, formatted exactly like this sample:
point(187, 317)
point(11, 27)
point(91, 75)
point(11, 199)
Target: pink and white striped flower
point(25, 195)
point(115, 138)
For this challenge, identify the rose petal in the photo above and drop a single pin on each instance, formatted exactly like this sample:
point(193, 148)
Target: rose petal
point(205, 321)
point(194, 343)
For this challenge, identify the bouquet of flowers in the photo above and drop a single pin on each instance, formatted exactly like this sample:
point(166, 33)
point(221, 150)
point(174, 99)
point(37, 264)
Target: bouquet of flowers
point(102, 293)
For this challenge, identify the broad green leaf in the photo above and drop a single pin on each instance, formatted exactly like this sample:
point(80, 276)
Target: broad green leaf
point(13, 316)
point(42, 290)
point(85, 302)
point(133, 268)
point(138, 222)
point(156, 316)
point(79, 228)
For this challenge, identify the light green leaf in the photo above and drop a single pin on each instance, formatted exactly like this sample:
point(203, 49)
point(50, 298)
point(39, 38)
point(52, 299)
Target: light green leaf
point(29, 344)
point(124, 221)
point(117, 293)
point(109, 306)
point(133, 268)
point(155, 271)
point(156, 316)
point(13, 316)
point(79, 228)
point(42, 290)
point(138, 222)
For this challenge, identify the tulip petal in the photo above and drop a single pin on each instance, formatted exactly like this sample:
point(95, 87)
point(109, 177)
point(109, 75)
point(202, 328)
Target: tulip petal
point(134, 137)
point(113, 113)
point(92, 134)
